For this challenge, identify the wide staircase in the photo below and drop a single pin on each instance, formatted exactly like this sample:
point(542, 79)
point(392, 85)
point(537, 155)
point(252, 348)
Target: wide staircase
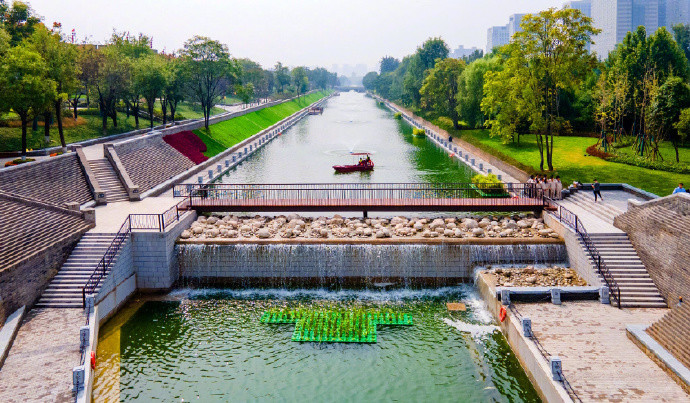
point(65, 290)
point(585, 200)
point(621, 259)
point(109, 181)
point(672, 331)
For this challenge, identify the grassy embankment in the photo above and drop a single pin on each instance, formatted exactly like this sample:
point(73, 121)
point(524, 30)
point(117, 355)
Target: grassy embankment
point(85, 128)
point(224, 135)
point(571, 161)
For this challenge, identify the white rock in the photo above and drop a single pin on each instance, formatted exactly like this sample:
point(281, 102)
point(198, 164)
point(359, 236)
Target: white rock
point(470, 223)
point(198, 230)
point(477, 232)
point(245, 228)
point(458, 233)
point(418, 226)
point(426, 234)
point(263, 233)
point(367, 231)
point(323, 232)
point(379, 234)
point(186, 234)
point(449, 233)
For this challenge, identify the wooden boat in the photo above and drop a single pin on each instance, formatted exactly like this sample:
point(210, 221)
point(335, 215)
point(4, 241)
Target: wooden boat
point(315, 110)
point(366, 165)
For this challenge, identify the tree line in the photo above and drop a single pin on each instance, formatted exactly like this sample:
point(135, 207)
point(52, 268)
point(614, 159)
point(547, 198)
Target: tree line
point(42, 74)
point(546, 83)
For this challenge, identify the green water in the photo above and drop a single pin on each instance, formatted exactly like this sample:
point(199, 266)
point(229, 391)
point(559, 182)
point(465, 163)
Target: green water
point(211, 347)
point(351, 122)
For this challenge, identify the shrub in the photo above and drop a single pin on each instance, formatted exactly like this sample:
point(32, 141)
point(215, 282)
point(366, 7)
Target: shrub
point(444, 123)
point(188, 144)
point(637, 161)
point(397, 115)
point(418, 132)
point(594, 150)
point(488, 185)
point(18, 161)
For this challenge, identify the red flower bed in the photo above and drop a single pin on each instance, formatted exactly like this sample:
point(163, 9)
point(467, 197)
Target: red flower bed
point(189, 144)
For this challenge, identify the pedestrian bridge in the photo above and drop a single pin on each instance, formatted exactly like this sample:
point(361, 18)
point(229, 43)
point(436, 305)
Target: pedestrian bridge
point(362, 197)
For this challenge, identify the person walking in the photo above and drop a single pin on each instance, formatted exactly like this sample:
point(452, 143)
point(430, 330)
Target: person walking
point(596, 186)
point(679, 189)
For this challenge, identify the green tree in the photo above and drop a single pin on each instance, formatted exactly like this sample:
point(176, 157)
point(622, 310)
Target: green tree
point(673, 97)
point(388, 64)
point(174, 90)
point(282, 74)
point(89, 61)
point(113, 80)
point(61, 61)
point(150, 78)
point(683, 127)
point(548, 56)
point(471, 90)
point(209, 71)
point(369, 80)
point(300, 80)
point(440, 88)
point(681, 33)
point(26, 88)
point(19, 21)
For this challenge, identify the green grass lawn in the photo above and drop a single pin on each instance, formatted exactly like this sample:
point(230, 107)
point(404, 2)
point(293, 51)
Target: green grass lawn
point(11, 137)
point(667, 152)
point(192, 111)
point(223, 135)
point(571, 162)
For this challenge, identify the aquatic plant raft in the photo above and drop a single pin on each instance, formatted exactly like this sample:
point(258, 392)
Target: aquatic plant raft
point(335, 326)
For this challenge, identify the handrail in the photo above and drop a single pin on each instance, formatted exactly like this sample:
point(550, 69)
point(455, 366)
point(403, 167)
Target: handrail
point(573, 221)
point(157, 222)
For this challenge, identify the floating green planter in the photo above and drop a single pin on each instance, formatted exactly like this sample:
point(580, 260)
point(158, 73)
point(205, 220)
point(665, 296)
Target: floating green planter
point(334, 326)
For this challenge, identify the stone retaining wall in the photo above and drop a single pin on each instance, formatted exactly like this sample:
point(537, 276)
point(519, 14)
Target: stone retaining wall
point(658, 229)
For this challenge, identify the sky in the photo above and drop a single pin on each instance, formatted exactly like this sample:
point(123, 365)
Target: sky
point(295, 32)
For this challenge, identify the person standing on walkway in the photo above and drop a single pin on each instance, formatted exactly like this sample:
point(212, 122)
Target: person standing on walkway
point(679, 189)
point(559, 188)
point(596, 186)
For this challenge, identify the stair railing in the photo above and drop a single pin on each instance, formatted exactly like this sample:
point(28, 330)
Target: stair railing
point(571, 219)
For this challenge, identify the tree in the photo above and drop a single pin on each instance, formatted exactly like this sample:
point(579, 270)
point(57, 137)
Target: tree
point(415, 68)
point(471, 90)
point(369, 80)
point(300, 80)
point(174, 88)
point(388, 64)
point(431, 50)
point(673, 97)
point(26, 88)
point(19, 21)
point(548, 56)
point(681, 33)
point(113, 80)
point(282, 74)
point(89, 61)
point(440, 88)
point(683, 127)
point(476, 55)
point(208, 69)
point(61, 61)
point(150, 79)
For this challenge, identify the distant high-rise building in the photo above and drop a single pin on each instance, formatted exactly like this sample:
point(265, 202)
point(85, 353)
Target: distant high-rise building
point(677, 12)
point(462, 51)
point(618, 17)
point(496, 36)
point(514, 24)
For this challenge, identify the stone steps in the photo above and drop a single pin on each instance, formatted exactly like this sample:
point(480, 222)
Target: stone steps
point(672, 331)
point(636, 287)
point(65, 289)
point(108, 180)
point(600, 209)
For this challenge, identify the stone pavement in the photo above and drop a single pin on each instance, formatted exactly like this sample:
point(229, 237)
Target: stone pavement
point(599, 360)
point(39, 367)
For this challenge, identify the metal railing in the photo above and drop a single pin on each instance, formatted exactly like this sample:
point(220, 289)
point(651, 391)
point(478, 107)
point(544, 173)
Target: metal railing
point(158, 222)
point(381, 193)
point(571, 219)
point(544, 353)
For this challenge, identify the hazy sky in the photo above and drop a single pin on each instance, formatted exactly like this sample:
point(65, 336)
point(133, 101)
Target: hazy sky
point(296, 32)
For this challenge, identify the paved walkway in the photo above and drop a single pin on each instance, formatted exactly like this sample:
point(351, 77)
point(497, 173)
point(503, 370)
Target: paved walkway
point(615, 199)
point(39, 367)
point(599, 360)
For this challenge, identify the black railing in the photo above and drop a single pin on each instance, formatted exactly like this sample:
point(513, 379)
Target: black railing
point(380, 192)
point(157, 222)
point(544, 353)
point(573, 221)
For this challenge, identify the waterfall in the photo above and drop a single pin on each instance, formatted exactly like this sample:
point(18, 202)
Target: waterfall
point(356, 264)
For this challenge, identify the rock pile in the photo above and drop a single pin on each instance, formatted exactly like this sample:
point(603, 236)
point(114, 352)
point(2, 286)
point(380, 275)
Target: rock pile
point(531, 277)
point(294, 226)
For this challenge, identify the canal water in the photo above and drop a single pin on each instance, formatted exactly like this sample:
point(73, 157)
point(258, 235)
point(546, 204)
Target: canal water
point(351, 122)
point(209, 346)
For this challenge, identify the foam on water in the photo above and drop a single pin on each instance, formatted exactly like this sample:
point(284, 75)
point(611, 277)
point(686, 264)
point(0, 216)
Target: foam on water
point(471, 328)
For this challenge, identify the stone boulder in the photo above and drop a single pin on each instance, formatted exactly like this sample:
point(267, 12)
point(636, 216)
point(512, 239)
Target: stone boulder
point(263, 233)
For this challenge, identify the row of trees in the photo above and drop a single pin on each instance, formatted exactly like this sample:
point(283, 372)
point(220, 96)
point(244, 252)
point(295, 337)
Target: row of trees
point(42, 75)
point(546, 83)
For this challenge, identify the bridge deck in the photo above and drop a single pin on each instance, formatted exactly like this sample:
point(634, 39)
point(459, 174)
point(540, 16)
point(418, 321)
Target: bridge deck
point(409, 204)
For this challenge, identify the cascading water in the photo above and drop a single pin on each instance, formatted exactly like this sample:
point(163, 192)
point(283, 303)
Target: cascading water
point(354, 264)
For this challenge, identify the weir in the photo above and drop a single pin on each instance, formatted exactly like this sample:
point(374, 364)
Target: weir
point(351, 264)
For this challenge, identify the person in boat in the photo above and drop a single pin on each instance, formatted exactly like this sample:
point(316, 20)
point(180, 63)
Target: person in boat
point(361, 161)
point(367, 161)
